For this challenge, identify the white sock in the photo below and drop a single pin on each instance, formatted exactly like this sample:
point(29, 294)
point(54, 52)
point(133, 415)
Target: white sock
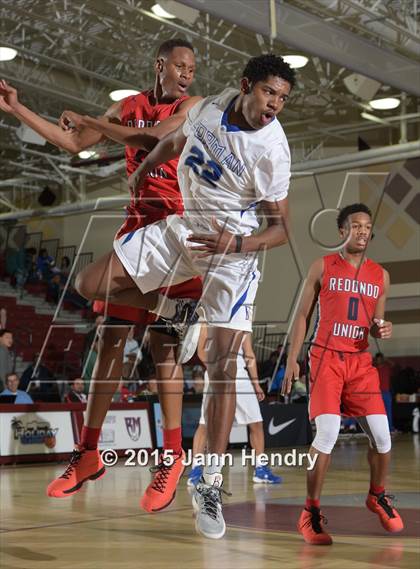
point(165, 307)
point(213, 470)
point(260, 460)
point(215, 479)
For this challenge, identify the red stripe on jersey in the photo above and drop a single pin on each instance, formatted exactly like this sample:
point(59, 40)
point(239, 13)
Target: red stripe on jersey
point(346, 304)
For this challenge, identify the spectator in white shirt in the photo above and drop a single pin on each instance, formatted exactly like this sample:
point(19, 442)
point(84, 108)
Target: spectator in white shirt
point(132, 356)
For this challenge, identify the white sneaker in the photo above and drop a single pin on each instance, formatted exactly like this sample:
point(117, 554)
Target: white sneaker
point(207, 503)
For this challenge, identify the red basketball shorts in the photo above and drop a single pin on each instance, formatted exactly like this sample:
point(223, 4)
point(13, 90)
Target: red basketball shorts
point(188, 289)
point(343, 383)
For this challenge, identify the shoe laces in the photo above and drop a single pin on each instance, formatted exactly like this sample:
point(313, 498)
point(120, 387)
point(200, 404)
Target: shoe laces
point(316, 520)
point(162, 472)
point(186, 315)
point(74, 460)
point(212, 498)
point(386, 503)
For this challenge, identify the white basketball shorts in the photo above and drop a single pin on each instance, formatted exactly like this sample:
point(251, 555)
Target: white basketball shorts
point(159, 255)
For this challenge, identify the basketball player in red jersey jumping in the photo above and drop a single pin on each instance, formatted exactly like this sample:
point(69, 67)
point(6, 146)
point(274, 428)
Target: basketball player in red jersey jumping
point(350, 292)
point(138, 122)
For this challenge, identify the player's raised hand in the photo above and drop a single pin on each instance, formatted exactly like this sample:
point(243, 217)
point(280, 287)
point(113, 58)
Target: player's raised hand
point(8, 97)
point(219, 242)
point(382, 329)
point(70, 120)
point(291, 375)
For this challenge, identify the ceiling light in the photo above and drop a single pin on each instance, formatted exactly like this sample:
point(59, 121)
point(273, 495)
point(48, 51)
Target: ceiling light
point(373, 118)
point(161, 12)
point(384, 104)
point(7, 53)
point(85, 154)
point(120, 94)
point(296, 61)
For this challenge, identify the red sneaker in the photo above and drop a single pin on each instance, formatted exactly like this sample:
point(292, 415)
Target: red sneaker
point(84, 465)
point(310, 525)
point(161, 491)
point(381, 504)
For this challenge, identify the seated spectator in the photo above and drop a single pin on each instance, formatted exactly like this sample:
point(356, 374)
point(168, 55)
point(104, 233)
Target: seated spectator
point(268, 366)
point(54, 288)
point(76, 393)
point(89, 364)
point(299, 394)
point(6, 355)
point(278, 380)
point(91, 335)
point(44, 264)
point(197, 380)
point(65, 268)
point(149, 387)
point(3, 318)
point(132, 356)
point(40, 382)
point(124, 393)
point(12, 382)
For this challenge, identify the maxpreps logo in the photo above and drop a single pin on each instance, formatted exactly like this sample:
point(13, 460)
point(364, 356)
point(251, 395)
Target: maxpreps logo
point(34, 432)
point(133, 426)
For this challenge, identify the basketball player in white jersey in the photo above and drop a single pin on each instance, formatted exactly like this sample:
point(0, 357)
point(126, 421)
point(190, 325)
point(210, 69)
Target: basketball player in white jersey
point(247, 412)
point(234, 155)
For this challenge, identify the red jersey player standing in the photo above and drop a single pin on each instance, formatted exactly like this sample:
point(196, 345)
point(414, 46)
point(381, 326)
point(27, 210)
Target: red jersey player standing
point(349, 291)
point(138, 122)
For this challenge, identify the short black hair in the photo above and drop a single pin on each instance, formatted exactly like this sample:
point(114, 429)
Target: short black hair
point(348, 210)
point(167, 46)
point(5, 331)
point(11, 374)
point(262, 66)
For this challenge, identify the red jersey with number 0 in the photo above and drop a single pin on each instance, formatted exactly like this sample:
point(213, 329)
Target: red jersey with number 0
point(160, 190)
point(346, 304)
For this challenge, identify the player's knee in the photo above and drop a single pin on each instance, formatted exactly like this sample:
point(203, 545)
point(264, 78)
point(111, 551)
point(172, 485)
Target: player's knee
point(327, 429)
point(381, 442)
point(83, 285)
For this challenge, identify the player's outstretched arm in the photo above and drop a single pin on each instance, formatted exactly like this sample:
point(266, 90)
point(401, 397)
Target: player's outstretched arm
point(145, 138)
point(382, 328)
point(168, 148)
point(300, 326)
point(71, 140)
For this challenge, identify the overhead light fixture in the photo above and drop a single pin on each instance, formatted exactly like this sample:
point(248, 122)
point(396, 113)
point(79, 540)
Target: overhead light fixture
point(385, 104)
point(373, 118)
point(170, 9)
point(295, 61)
point(161, 12)
point(120, 94)
point(85, 154)
point(7, 53)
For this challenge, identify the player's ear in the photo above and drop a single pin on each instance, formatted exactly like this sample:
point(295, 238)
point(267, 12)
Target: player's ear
point(245, 86)
point(159, 65)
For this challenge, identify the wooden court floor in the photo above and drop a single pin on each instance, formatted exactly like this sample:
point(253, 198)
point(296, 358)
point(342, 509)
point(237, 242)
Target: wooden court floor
point(102, 526)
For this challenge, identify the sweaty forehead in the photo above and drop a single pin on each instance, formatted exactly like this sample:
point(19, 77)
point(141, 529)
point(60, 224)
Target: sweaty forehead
point(181, 54)
point(360, 217)
point(277, 83)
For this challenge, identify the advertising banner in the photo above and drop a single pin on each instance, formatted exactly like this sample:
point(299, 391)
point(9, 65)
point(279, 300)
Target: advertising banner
point(40, 432)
